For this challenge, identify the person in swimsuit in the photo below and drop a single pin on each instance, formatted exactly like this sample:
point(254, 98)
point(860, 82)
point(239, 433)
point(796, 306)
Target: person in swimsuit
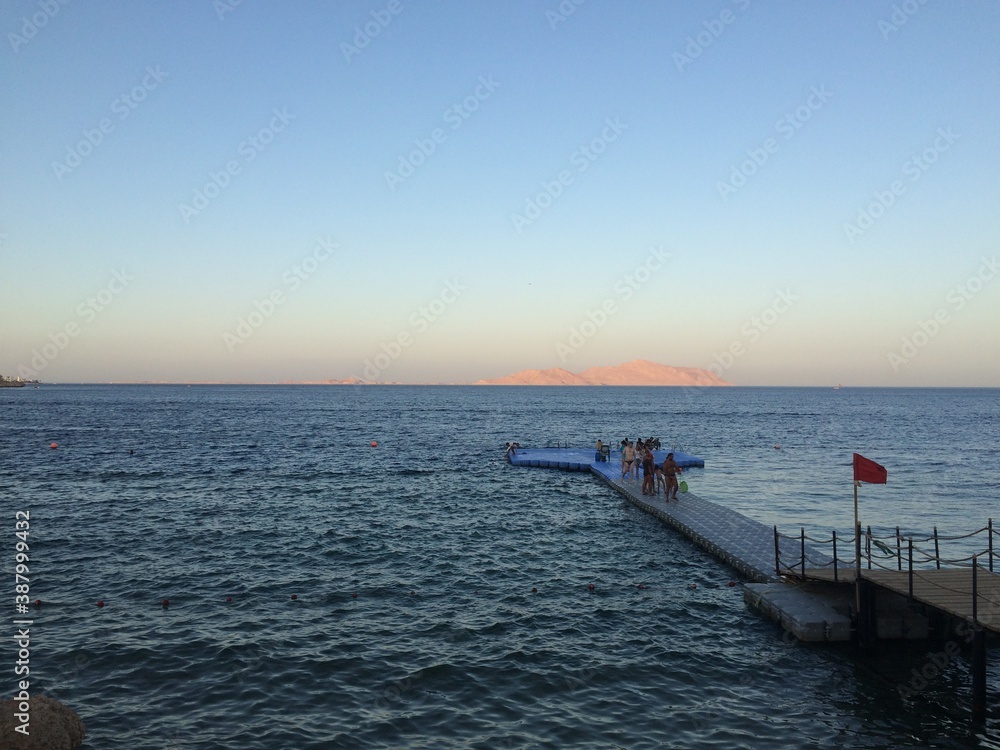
point(648, 475)
point(628, 459)
point(671, 470)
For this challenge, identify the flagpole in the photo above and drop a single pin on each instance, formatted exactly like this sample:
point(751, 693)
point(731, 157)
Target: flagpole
point(865, 470)
point(857, 530)
point(862, 635)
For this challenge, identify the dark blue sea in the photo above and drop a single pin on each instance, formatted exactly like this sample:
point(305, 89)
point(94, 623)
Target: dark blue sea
point(414, 623)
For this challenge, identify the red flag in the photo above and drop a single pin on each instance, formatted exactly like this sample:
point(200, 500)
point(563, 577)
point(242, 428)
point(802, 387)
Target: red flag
point(866, 470)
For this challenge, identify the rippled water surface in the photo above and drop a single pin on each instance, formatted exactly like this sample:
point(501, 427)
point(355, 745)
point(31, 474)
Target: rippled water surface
point(442, 597)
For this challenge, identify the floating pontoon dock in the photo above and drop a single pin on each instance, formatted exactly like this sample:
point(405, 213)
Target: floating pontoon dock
point(813, 595)
point(739, 541)
point(815, 605)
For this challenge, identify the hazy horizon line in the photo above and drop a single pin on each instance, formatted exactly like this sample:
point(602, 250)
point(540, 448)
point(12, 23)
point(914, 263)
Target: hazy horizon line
point(494, 385)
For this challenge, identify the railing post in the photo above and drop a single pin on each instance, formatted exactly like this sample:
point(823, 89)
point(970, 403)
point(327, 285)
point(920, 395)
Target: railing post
point(975, 591)
point(937, 550)
point(911, 568)
point(978, 654)
point(899, 552)
point(868, 547)
point(835, 579)
point(777, 553)
point(802, 537)
point(989, 526)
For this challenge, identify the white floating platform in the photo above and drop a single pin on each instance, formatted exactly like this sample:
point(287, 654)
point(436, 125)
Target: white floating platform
point(807, 616)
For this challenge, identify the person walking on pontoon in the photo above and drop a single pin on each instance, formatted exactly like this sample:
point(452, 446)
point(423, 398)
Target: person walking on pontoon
point(648, 473)
point(628, 458)
point(670, 471)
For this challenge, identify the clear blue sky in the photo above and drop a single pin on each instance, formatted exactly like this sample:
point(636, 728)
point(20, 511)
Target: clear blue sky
point(480, 180)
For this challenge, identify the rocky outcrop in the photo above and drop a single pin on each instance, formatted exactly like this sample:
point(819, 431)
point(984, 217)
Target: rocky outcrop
point(51, 725)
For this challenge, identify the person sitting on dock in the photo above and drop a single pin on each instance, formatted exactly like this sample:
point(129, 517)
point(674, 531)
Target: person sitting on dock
point(648, 473)
point(671, 470)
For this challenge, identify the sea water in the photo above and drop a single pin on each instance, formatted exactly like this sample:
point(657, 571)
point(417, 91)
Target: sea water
point(324, 593)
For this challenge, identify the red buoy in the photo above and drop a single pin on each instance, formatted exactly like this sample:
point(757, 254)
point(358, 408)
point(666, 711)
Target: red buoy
point(732, 583)
point(354, 595)
point(38, 602)
point(294, 597)
point(53, 446)
point(100, 603)
point(166, 602)
point(229, 598)
point(591, 587)
point(534, 590)
point(374, 444)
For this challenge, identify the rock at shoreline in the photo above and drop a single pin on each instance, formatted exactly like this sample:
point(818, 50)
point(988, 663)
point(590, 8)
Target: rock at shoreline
point(52, 726)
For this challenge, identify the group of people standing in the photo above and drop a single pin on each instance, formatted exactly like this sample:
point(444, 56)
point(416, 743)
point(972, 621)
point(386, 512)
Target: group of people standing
point(654, 475)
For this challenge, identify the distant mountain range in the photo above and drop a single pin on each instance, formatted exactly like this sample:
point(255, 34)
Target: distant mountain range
point(636, 372)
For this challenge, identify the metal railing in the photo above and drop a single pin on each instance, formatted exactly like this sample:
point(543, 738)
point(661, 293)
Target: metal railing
point(884, 552)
